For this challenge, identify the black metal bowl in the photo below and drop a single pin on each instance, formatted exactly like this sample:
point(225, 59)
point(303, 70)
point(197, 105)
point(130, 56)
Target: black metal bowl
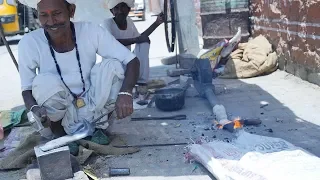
point(170, 99)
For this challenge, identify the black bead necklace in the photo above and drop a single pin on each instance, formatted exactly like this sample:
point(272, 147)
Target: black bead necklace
point(78, 58)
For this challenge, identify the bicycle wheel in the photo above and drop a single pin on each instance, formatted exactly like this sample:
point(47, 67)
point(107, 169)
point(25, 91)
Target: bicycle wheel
point(169, 24)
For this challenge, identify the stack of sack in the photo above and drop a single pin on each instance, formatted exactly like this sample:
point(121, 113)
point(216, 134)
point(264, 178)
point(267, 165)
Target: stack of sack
point(251, 59)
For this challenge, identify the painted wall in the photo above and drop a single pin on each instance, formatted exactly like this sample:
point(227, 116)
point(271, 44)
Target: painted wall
point(293, 27)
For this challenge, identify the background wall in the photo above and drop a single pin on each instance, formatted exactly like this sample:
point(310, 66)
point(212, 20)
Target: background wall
point(293, 27)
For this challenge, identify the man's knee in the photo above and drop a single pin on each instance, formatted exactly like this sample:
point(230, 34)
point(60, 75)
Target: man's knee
point(45, 86)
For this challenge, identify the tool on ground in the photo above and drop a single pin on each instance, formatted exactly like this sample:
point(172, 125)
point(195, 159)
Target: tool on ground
point(176, 117)
point(119, 172)
point(172, 98)
point(85, 131)
point(151, 145)
point(38, 123)
point(145, 99)
point(239, 123)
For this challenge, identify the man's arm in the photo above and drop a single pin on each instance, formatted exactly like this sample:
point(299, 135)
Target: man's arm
point(128, 42)
point(154, 26)
point(131, 76)
point(28, 99)
point(124, 104)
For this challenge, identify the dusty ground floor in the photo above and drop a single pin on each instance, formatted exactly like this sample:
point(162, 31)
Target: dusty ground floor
point(291, 114)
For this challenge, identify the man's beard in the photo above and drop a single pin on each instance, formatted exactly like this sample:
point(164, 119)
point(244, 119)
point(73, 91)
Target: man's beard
point(121, 18)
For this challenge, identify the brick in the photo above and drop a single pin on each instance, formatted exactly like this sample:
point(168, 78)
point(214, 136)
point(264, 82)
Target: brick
point(302, 11)
point(313, 14)
point(54, 164)
point(274, 11)
point(257, 9)
point(298, 55)
point(312, 59)
point(313, 44)
point(294, 11)
point(285, 8)
point(301, 43)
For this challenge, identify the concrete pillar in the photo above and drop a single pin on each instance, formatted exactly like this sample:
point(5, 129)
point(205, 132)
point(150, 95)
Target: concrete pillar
point(187, 30)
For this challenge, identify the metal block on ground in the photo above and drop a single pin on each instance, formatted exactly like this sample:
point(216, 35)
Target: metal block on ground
point(54, 164)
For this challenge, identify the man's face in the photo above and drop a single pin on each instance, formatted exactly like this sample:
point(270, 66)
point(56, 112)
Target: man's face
point(54, 16)
point(121, 11)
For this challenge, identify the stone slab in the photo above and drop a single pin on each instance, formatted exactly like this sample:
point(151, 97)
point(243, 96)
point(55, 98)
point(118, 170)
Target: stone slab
point(54, 164)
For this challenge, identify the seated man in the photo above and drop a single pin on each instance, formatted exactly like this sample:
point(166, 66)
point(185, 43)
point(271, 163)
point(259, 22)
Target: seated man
point(123, 29)
point(60, 79)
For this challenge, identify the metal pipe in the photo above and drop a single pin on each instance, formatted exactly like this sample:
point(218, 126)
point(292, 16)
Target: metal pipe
point(8, 47)
point(211, 97)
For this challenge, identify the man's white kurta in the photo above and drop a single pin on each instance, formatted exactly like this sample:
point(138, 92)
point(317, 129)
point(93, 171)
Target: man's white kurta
point(141, 50)
point(34, 54)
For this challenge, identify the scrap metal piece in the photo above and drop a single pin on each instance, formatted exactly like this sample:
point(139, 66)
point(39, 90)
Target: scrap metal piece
point(119, 172)
point(177, 117)
point(202, 76)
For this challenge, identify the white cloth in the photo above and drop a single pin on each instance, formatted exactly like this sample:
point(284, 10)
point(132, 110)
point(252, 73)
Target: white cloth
point(91, 39)
point(112, 3)
point(142, 53)
point(99, 99)
point(141, 50)
point(34, 3)
point(130, 32)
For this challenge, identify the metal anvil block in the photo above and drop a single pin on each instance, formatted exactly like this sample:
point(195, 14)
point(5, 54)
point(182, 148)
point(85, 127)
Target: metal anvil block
point(54, 164)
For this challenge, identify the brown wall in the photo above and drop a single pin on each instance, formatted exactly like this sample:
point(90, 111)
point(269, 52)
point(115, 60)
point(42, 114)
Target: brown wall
point(293, 27)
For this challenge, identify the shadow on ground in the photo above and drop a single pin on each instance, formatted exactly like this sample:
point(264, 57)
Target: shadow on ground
point(240, 99)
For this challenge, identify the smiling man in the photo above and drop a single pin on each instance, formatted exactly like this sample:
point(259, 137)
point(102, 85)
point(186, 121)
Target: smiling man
point(60, 80)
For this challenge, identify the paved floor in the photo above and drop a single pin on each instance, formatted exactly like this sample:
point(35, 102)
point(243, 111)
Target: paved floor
point(291, 113)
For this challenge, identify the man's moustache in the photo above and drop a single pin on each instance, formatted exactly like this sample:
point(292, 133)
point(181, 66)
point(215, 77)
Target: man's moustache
point(54, 26)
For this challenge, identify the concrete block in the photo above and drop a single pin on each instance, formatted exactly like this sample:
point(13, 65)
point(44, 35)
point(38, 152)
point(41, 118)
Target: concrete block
point(314, 78)
point(54, 164)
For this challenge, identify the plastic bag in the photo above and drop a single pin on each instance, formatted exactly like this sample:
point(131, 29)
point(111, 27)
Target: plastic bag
point(254, 157)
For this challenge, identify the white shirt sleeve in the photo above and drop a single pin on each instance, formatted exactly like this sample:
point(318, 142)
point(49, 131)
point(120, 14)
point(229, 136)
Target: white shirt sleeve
point(108, 47)
point(27, 60)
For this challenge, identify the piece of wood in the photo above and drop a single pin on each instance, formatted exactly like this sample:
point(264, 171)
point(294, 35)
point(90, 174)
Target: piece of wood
point(8, 47)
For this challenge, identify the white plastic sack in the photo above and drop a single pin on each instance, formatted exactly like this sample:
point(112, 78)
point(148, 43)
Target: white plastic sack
point(254, 157)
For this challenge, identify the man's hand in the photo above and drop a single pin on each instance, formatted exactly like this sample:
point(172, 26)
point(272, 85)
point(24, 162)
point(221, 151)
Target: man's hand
point(160, 19)
point(143, 39)
point(124, 106)
point(40, 112)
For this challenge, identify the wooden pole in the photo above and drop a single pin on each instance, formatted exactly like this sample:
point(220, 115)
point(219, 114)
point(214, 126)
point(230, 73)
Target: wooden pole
point(8, 47)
